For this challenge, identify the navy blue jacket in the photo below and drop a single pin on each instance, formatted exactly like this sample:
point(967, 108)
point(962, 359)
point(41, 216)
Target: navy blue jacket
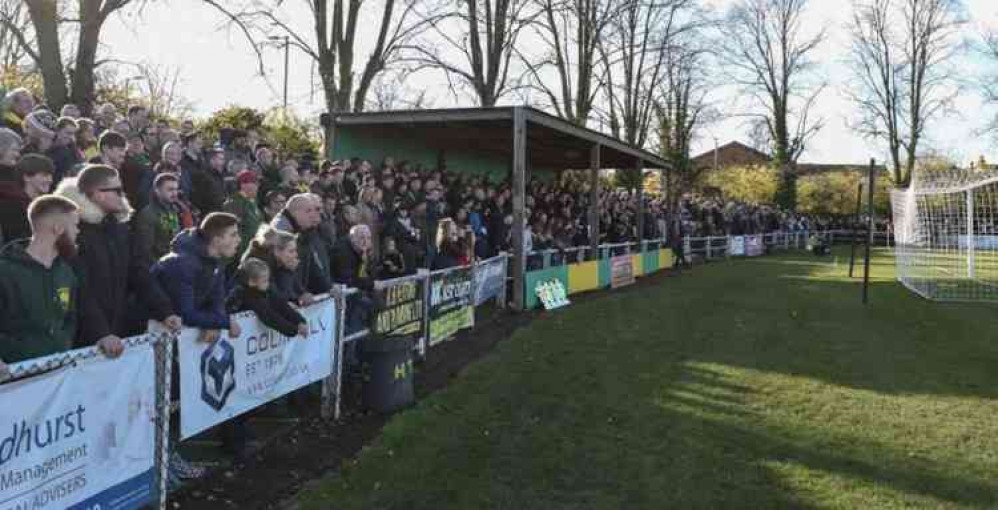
point(194, 281)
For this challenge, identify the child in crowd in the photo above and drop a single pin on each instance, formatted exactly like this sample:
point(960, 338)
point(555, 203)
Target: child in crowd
point(252, 293)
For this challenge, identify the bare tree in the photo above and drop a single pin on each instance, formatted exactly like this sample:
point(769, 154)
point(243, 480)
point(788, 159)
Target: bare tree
point(571, 31)
point(83, 20)
point(163, 91)
point(768, 54)
point(332, 44)
point(634, 60)
point(476, 44)
point(990, 51)
point(389, 92)
point(15, 34)
point(681, 110)
point(899, 53)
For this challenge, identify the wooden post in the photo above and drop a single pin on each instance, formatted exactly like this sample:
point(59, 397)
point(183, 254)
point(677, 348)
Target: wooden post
point(594, 167)
point(869, 232)
point(519, 203)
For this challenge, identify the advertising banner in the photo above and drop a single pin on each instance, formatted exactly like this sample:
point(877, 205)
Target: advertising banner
point(81, 436)
point(231, 376)
point(489, 277)
point(754, 246)
point(552, 294)
point(621, 271)
point(451, 304)
point(398, 309)
point(736, 248)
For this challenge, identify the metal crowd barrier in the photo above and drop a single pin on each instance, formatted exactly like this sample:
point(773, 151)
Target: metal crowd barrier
point(163, 345)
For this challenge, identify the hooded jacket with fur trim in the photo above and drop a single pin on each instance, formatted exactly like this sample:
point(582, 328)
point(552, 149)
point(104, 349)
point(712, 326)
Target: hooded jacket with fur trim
point(110, 273)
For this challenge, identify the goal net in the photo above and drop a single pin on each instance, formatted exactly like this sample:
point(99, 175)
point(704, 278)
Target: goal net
point(946, 235)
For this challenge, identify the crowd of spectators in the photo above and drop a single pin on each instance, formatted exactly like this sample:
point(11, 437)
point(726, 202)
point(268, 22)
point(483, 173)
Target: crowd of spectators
point(107, 222)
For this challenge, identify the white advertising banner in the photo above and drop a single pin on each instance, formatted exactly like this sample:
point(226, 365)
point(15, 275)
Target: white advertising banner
point(490, 276)
point(736, 246)
point(80, 436)
point(231, 376)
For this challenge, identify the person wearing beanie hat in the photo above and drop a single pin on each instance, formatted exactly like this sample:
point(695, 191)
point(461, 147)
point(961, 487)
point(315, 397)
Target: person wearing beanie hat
point(243, 205)
point(39, 131)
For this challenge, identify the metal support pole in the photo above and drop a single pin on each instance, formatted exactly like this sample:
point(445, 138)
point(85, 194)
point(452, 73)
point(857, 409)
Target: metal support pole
point(501, 298)
point(639, 168)
point(339, 297)
point(707, 247)
point(971, 239)
point(426, 276)
point(163, 352)
point(594, 166)
point(869, 233)
point(331, 385)
point(852, 249)
point(519, 203)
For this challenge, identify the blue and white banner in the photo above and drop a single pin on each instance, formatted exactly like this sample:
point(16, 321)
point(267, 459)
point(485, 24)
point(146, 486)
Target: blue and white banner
point(231, 376)
point(81, 436)
point(489, 279)
point(736, 246)
point(981, 242)
point(754, 246)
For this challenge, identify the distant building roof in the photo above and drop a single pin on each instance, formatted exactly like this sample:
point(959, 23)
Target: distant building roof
point(731, 154)
point(738, 154)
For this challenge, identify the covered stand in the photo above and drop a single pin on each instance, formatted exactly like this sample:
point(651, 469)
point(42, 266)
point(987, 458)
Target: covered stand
point(516, 138)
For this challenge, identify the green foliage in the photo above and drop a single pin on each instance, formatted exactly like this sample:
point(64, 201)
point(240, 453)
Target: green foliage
point(835, 193)
point(289, 135)
point(237, 117)
point(15, 77)
point(628, 179)
point(752, 184)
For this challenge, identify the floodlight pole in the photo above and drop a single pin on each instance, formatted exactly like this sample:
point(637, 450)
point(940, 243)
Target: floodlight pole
point(869, 232)
point(852, 249)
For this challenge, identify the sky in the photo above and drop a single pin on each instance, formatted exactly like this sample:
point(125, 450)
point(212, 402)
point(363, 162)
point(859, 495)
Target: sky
point(218, 69)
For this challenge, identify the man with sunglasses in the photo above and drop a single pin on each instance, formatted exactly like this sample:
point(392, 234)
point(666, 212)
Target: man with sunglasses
point(112, 275)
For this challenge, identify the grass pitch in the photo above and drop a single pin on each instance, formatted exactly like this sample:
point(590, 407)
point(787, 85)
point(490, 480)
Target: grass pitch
point(753, 383)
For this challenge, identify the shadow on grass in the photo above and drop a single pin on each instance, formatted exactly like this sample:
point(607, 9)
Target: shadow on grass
point(658, 399)
point(723, 436)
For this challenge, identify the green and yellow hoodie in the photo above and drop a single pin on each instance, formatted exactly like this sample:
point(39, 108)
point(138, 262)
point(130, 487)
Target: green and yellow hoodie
point(38, 305)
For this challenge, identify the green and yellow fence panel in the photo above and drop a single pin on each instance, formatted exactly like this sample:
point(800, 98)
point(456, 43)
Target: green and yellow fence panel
point(583, 276)
point(651, 261)
point(665, 258)
point(604, 273)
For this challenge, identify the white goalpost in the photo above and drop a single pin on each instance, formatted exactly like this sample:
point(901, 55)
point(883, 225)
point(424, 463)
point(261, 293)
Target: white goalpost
point(946, 235)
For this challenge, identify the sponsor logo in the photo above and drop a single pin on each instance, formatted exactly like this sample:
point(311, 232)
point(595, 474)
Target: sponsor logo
point(218, 373)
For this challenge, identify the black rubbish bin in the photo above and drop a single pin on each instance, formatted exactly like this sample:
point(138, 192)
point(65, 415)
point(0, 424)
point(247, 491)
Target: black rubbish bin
point(388, 372)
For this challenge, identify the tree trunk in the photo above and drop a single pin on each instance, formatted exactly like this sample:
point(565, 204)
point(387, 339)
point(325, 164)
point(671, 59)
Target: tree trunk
point(91, 21)
point(44, 17)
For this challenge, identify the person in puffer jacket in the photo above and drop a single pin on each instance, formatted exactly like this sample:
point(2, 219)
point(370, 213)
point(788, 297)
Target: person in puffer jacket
point(112, 275)
point(193, 274)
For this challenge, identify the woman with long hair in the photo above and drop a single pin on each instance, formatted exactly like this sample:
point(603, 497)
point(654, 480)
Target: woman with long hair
point(455, 246)
point(279, 249)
